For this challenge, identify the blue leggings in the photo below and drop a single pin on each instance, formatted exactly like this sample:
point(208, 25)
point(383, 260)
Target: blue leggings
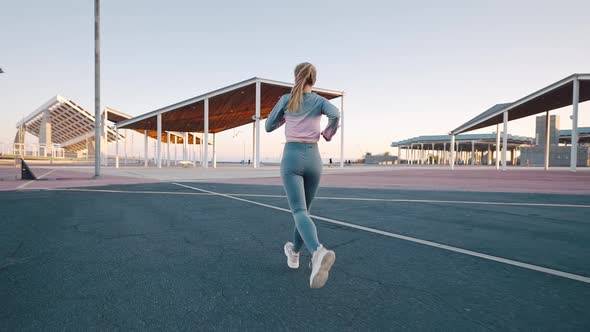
point(301, 169)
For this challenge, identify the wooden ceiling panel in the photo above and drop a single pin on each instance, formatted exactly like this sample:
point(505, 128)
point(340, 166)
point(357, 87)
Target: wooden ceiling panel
point(227, 110)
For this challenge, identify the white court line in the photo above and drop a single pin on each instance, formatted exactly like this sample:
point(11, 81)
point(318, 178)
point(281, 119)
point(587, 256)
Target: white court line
point(396, 200)
point(129, 191)
point(424, 201)
point(39, 177)
point(415, 240)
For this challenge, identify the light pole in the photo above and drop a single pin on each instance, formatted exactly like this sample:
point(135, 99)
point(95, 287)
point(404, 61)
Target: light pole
point(97, 122)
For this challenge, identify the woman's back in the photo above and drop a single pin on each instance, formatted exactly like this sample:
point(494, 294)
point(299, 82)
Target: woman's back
point(303, 125)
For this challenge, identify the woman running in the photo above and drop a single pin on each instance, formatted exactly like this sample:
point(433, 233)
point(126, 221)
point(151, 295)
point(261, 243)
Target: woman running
point(301, 167)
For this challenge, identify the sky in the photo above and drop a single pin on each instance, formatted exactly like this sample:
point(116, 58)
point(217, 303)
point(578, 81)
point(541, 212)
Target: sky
point(408, 68)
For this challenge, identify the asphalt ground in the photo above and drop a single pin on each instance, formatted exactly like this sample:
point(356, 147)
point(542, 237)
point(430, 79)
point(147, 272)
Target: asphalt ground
point(167, 256)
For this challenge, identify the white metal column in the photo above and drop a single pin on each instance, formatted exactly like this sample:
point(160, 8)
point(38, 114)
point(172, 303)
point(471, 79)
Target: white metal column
point(472, 153)
point(421, 153)
point(175, 149)
point(214, 153)
point(547, 134)
point(505, 141)
point(201, 150)
point(116, 147)
point(253, 142)
point(159, 124)
point(434, 154)
point(167, 149)
point(574, 151)
point(145, 149)
point(194, 149)
point(452, 149)
point(206, 135)
point(125, 145)
point(342, 131)
point(498, 146)
point(257, 128)
point(105, 137)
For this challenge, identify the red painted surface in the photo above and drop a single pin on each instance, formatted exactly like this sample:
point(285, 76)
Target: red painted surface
point(466, 179)
point(62, 178)
point(486, 180)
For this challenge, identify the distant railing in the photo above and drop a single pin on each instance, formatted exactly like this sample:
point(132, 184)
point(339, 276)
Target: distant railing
point(32, 150)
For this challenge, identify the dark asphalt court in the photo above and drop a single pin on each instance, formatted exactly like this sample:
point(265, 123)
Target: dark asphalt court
point(73, 260)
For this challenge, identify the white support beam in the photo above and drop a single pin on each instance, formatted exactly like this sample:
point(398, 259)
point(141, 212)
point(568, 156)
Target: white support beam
point(257, 128)
point(201, 150)
point(159, 124)
point(125, 145)
point(505, 141)
point(206, 135)
point(472, 153)
point(498, 146)
point(342, 131)
point(452, 148)
point(421, 153)
point(574, 147)
point(547, 134)
point(185, 147)
point(194, 149)
point(116, 147)
point(168, 149)
point(253, 143)
point(105, 138)
point(214, 153)
point(145, 149)
point(175, 150)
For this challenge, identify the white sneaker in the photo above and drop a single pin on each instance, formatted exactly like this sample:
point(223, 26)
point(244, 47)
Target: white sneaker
point(321, 263)
point(292, 257)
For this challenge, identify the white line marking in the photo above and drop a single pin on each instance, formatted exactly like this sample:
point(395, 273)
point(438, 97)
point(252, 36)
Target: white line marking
point(39, 177)
point(415, 240)
point(396, 200)
point(128, 191)
point(425, 201)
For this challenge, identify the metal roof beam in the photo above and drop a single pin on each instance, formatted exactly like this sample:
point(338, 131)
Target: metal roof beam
point(467, 126)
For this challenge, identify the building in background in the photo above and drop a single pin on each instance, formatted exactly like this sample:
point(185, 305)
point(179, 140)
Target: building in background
point(559, 145)
point(381, 159)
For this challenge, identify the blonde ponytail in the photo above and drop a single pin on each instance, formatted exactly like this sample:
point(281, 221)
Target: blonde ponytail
point(305, 74)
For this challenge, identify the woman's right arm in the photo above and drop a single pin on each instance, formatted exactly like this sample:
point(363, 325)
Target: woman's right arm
point(333, 115)
point(276, 118)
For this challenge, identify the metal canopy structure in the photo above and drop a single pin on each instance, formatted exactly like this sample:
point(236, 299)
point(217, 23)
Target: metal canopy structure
point(61, 121)
point(444, 139)
point(565, 135)
point(236, 105)
point(472, 148)
point(569, 91)
point(116, 116)
point(554, 96)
